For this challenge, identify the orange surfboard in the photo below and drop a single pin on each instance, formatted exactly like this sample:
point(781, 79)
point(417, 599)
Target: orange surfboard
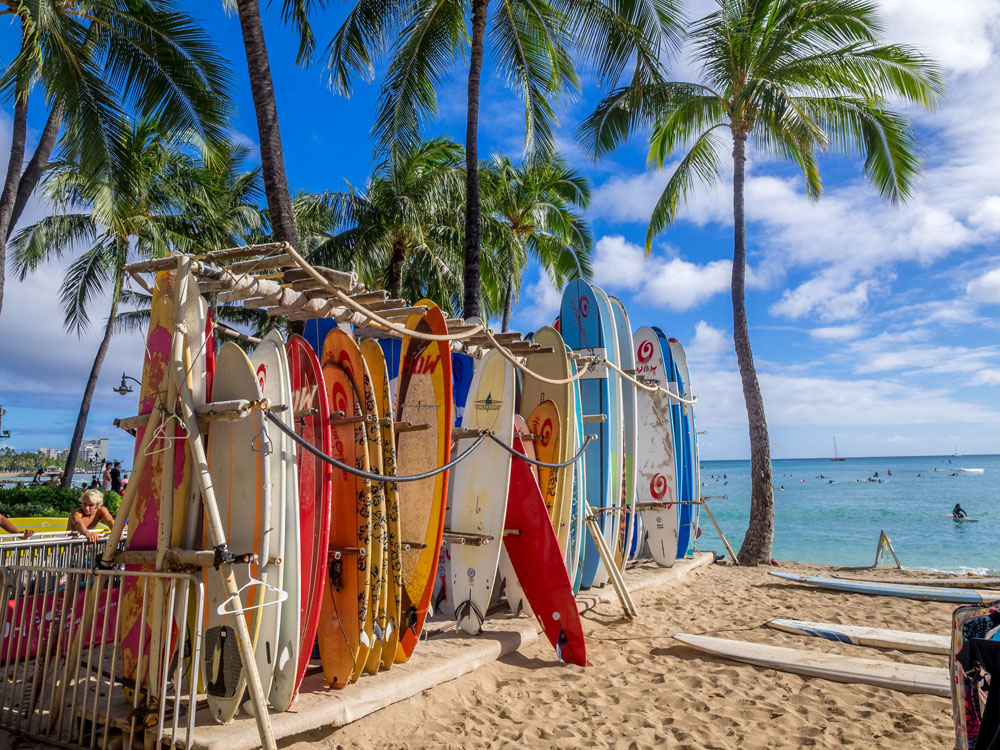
point(425, 397)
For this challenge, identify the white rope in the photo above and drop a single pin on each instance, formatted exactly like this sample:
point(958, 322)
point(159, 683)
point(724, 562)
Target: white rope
point(508, 355)
point(650, 388)
point(358, 307)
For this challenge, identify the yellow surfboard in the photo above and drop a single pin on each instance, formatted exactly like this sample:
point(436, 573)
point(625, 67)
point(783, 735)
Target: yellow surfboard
point(544, 425)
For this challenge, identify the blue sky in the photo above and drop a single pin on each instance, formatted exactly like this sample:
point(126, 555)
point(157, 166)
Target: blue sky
point(872, 323)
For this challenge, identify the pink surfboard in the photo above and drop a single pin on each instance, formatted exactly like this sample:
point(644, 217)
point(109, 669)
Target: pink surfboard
point(315, 487)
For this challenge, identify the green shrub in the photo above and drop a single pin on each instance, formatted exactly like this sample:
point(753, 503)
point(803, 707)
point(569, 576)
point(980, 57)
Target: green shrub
point(26, 502)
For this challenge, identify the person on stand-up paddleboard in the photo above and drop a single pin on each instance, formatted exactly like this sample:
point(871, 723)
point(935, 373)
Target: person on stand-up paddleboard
point(959, 512)
point(90, 513)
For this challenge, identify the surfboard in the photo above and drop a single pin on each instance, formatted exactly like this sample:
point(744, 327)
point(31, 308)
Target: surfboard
point(236, 463)
point(656, 465)
point(139, 635)
point(960, 519)
point(378, 529)
point(692, 464)
point(543, 429)
point(554, 365)
point(908, 678)
point(285, 541)
point(344, 644)
point(375, 362)
point(463, 368)
point(311, 414)
point(626, 360)
point(860, 635)
point(479, 492)
point(269, 371)
point(425, 398)
point(615, 432)
point(538, 563)
point(682, 456)
point(575, 547)
point(959, 582)
point(506, 576)
point(581, 328)
point(38, 524)
point(315, 331)
point(903, 591)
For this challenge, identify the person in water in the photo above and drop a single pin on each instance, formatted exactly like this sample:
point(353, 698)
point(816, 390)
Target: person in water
point(959, 512)
point(90, 513)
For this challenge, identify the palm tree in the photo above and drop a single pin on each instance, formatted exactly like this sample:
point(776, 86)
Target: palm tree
point(88, 62)
point(531, 210)
point(129, 209)
point(403, 231)
point(272, 158)
point(533, 43)
point(795, 77)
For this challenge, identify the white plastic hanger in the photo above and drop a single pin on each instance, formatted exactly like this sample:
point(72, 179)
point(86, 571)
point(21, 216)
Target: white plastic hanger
point(282, 594)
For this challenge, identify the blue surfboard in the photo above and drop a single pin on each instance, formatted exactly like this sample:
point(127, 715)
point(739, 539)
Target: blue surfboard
point(684, 383)
point(900, 590)
point(463, 367)
point(315, 333)
point(580, 325)
point(681, 449)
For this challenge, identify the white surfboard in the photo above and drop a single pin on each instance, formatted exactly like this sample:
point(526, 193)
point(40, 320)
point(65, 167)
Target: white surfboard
point(615, 429)
point(956, 582)
point(266, 360)
point(902, 591)
point(908, 678)
point(626, 360)
point(478, 489)
point(860, 635)
point(286, 657)
point(656, 468)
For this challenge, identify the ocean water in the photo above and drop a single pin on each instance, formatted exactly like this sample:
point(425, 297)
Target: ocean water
point(839, 523)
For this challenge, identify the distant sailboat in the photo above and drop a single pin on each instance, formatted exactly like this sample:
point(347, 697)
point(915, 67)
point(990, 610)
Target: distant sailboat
point(836, 456)
point(956, 454)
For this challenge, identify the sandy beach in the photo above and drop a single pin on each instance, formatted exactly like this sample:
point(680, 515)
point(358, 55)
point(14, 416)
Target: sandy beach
point(645, 690)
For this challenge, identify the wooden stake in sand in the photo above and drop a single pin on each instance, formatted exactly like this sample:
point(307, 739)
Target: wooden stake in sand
point(884, 550)
point(628, 606)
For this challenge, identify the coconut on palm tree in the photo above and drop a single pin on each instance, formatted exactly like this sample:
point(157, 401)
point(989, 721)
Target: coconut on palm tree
point(135, 208)
point(531, 210)
point(86, 63)
point(794, 78)
point(534, 44)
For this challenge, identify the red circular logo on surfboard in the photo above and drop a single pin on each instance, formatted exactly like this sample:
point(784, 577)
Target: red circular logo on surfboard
point(658, 486)
point(261, 376)
point(645, 351)
point(345, 362)
point(546, 433)
point(584, 307)
point(338, 399)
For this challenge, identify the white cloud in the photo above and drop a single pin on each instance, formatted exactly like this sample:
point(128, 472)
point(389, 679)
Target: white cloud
point(985, 288)
point(539, 303)
point(708, 344)
point(619, 263)
point(838, 333)
point(986, 377)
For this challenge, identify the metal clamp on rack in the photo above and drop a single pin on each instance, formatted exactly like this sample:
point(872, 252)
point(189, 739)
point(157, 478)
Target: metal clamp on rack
point(457, 537)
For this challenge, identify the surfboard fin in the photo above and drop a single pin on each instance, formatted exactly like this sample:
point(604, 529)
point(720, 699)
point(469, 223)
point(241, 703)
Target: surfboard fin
point(469, 611)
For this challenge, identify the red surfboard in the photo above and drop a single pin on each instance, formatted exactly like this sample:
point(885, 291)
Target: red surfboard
point(315, 488)
point(538, 563)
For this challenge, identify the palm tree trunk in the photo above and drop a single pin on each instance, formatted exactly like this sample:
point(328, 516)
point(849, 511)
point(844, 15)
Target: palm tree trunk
point(19, 134)
point(272, 160)
point(508, 306)
point(473, 211)
point(756, 547)
point(88, 392)
point(396, 271)
point(36, 167)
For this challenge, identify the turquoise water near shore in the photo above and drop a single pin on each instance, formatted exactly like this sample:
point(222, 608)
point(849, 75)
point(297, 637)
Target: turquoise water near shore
point(839, 523)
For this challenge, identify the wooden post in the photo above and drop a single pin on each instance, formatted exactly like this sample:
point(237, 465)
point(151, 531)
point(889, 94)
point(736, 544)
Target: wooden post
point(628, 606)
point(884, 550)
point(718, 531)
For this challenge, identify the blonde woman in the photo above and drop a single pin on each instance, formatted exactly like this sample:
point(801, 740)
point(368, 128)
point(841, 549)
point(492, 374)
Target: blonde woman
point(90, 513)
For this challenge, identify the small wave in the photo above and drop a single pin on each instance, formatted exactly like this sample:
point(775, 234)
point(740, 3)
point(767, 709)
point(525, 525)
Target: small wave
point(971, 471)
point(959, 570)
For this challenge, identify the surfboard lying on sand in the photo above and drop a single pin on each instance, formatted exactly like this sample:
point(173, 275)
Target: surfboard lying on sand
point(901, 590)
point(956, 582)
point(908, 678)
point(859, 635)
